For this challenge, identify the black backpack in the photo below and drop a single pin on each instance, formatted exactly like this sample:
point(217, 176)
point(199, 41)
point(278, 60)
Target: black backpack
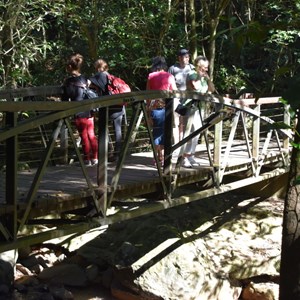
point(87, 92)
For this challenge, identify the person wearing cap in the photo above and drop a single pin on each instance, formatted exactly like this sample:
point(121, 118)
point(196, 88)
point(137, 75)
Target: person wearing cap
point(159, 79)
point(197, 80)
point(180, 71)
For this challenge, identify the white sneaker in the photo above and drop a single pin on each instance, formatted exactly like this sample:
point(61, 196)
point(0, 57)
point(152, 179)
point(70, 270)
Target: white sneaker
point(186, 163)
point(87, 163)
point(193, 162)
point(94, 162)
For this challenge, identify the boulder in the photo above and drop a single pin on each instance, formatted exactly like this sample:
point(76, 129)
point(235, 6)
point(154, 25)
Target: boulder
point(210, 261)
point(261, 291)
point(67, 274)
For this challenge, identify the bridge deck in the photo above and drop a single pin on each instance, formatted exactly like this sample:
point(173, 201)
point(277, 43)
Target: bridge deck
point(65, 188)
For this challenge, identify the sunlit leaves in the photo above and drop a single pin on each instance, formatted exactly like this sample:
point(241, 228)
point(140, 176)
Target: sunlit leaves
point(23, 26)
point(295, 145)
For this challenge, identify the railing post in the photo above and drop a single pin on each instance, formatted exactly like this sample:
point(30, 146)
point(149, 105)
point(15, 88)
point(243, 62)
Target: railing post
point(102, 157)
point(169, 121)
point(64, 143)
point(11, 176)
point(255, 138)
point(218, 151)
point(286, 120)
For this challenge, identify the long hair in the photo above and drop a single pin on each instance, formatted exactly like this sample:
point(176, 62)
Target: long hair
point(159, 63)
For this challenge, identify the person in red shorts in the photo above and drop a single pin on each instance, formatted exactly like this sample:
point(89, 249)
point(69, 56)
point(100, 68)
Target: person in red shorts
point(73, 88)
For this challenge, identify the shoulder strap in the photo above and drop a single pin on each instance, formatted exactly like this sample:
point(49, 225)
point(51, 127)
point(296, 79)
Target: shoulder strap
point(191, 67)
point(79, 84)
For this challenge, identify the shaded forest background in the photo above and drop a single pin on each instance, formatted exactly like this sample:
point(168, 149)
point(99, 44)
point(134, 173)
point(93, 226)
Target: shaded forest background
point(250, 44)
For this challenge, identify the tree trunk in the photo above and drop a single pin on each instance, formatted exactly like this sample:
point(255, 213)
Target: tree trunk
point(193, 37)
point(212, 12)
point(290, 251)
point(212, 46)
point(8, 50)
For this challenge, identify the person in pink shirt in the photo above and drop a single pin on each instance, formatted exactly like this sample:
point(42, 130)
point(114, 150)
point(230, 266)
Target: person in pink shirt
point(159, 79)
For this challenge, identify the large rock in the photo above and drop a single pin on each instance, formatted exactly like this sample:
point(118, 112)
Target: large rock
point(203, 250)
point(67, 274)
point(7, 266)
point(208, 263)
point(261, 291)
point(179, 271)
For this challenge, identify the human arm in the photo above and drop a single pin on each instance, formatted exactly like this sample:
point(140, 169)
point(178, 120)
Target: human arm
point(192, 81)
point(173, 84)
point(210, 85)
point(148, 102)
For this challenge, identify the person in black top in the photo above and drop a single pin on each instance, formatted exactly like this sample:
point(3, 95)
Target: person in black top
point(73, 88)
point(116, 112)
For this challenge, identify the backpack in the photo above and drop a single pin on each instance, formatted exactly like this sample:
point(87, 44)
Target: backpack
point(117, 85)
point(89, 93)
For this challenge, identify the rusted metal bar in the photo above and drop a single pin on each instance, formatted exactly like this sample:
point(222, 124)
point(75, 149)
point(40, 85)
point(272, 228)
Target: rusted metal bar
point(168, 138)
point(255, 139)
point(131, 128)
point(246, 135)
point(11, 193)
point(102, 158)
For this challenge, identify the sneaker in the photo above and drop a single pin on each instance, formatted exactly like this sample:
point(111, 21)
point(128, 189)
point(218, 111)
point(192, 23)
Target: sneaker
point(193, 162)
point(87, 163)
point(186, 163)
point(94, 162)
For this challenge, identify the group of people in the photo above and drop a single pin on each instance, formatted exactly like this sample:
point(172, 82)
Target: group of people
point(73, 89)
point(181, 76)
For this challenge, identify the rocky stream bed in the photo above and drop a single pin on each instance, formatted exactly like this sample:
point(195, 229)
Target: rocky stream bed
point(225, 247)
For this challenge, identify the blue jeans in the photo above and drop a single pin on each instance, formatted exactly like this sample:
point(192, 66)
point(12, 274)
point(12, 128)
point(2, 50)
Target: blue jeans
point(116, 114)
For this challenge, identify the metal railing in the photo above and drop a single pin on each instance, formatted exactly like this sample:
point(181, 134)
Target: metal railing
point(44, 108)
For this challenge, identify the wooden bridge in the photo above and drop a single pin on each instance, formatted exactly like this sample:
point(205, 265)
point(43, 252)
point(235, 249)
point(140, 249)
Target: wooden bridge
point(46, 191)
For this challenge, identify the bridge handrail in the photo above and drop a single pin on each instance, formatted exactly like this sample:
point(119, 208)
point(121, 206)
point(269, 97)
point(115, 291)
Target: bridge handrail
point(52, 109)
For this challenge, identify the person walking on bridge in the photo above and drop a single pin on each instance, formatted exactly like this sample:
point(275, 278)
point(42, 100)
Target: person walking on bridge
point(73, 90)
point(197, 80)
point(180, 70)
point(159, 79)
point(116, 112)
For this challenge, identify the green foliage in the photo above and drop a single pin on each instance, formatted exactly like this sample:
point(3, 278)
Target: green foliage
point(230, 81)
point(23, 26)
point(295, 145)
point(292, 92)
point(297, 181)
point(256, 46)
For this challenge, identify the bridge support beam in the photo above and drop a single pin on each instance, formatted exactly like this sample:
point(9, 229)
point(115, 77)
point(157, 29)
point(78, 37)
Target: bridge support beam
point(271, 187)
point(11, 179)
